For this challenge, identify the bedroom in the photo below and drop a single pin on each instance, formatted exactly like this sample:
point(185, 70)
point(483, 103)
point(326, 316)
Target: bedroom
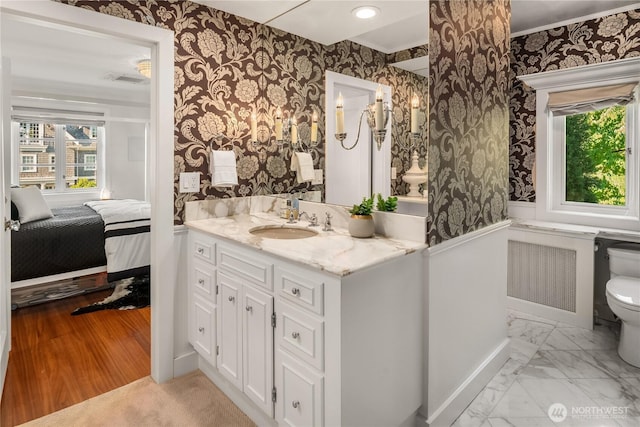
point(89, 95)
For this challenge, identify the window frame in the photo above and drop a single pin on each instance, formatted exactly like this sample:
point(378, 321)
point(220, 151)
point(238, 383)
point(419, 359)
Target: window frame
point(94, 164)
point(551, 204)
point(60, 166)
point(28, 169)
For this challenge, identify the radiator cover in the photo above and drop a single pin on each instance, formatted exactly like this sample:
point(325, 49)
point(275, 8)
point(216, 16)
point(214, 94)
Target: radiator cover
point(542, 274)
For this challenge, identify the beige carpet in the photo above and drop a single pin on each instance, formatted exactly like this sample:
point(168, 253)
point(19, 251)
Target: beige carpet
point(189, 401)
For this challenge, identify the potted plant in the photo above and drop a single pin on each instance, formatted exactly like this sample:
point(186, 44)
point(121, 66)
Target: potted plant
point(361, 221)
point(388, 205)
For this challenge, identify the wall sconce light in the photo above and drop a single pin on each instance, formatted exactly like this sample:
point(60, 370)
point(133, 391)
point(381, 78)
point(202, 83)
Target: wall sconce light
point(144, 67)
point(285, 131)
point(377, 119)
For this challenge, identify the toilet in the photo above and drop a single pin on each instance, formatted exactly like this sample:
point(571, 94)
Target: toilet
point(623, 297)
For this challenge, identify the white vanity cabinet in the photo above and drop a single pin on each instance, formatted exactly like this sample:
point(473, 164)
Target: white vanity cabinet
point(202, 296)
point(311, 348)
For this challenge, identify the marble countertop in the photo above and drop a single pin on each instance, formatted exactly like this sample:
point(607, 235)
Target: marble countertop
point(334, 251)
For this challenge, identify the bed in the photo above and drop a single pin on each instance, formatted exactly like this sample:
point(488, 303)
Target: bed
point(111, 236)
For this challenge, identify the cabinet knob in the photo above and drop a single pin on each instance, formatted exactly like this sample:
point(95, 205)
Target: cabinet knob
point(295, 291)
point(201, 329)
point(249, 308)
point(295, 335)
point(295, 404)
point(201, 251)
point(201, 281)
point(232, 298)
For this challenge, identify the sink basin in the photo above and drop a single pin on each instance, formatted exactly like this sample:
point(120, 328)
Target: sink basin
point(282, 232)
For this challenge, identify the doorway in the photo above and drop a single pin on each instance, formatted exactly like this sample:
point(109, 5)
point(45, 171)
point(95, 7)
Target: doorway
point(160, 153)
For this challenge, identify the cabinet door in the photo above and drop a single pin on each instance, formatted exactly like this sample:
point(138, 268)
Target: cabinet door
point(203, 328)
point(258, 348)
point(229, 329)
point(300, 393)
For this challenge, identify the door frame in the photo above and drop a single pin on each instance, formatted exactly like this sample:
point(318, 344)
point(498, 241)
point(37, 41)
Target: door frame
point(160, 153)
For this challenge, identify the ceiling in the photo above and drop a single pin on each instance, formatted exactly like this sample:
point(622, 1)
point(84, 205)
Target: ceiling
point(82, 63)
point(399, 25)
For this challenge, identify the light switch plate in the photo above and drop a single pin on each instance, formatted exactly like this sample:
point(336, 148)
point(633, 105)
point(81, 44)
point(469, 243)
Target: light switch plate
point(394, 173)
point(189, 182)
point(317, 177)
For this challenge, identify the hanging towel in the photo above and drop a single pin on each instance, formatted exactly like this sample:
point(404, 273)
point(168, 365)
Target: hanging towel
point(302, 164)
point(222, 167)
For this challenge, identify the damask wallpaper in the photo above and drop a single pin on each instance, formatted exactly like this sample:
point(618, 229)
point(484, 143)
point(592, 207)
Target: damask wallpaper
point(226, 67)
point(599, 40)
point(468, 116)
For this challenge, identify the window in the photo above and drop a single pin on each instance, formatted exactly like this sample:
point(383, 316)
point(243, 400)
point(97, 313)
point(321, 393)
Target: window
point(587, 145)
point(89, 162)
point(28, 162)
point(57, 157)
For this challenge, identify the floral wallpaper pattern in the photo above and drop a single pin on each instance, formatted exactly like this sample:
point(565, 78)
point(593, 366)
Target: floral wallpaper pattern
point(468, 116)
point(227, 67)
point(599, 40)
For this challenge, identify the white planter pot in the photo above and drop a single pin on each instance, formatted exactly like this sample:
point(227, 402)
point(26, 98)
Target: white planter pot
point(361, 226)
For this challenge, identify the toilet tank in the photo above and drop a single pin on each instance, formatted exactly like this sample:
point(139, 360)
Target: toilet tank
point(624, 259)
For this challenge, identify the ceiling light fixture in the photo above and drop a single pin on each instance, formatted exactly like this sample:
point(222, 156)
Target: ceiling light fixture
point(365, 12)
point(144, 67)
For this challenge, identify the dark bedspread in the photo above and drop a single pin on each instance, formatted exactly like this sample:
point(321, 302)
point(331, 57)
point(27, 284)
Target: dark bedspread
point(73, 239)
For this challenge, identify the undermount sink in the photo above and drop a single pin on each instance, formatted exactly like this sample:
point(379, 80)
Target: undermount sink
point(282, 232)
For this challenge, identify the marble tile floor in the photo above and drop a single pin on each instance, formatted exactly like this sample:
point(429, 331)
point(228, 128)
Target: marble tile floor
point(553, 363)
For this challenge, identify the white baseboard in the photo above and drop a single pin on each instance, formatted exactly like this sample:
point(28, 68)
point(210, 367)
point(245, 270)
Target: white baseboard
point(184, 364)
point(447, 413)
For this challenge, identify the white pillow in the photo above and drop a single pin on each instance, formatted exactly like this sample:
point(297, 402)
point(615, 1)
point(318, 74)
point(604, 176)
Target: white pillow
point(30, 203)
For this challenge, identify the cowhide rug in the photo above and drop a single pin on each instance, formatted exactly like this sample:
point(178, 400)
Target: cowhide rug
point(128, 294)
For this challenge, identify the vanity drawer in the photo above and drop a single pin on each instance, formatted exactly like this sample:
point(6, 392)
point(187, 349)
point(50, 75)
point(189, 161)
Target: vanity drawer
point(301, 287)
point(203, 279)
point(243, 265)
point(202, 247)
point(301, 334)
point(300, 393)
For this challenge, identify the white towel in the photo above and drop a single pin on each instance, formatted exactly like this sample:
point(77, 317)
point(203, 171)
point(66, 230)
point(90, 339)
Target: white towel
point(222, 167)
point(302, 164)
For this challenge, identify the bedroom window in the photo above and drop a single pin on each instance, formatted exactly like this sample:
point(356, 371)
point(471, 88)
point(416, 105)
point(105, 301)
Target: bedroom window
point(57, 156)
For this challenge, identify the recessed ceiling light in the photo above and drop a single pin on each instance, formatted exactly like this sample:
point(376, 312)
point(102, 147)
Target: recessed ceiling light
point(365, 12)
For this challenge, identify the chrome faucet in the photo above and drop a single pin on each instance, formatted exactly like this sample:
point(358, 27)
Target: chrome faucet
point(327, 222)
point(313, 219)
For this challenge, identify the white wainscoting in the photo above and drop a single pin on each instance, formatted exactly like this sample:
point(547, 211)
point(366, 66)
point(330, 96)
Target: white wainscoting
point(466, 293)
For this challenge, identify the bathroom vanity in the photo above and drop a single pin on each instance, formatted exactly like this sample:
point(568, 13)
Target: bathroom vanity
point(323, 330)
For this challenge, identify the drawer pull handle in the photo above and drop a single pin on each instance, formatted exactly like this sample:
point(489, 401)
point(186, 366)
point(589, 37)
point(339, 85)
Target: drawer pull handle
point(295, 291)
point(232, 299)
point(201, 329)
point(295, 404)
point(295, 335)
point(201, 251)
point(249, 309)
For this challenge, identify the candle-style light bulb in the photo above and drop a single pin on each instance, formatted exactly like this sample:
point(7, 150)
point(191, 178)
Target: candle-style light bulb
point(278, 124)
point(294, 131)
point(379, 109)
point(314, 127)
point(254, 127)
point(415, 104)
point(340, 114)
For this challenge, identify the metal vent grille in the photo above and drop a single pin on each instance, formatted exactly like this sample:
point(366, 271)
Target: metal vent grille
point(542, 274)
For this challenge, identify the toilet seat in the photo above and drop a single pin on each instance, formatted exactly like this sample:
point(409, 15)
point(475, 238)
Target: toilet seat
point(625, 291)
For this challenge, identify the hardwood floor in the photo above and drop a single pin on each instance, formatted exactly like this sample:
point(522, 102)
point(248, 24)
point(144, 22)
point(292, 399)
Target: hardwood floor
point(58, 360)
